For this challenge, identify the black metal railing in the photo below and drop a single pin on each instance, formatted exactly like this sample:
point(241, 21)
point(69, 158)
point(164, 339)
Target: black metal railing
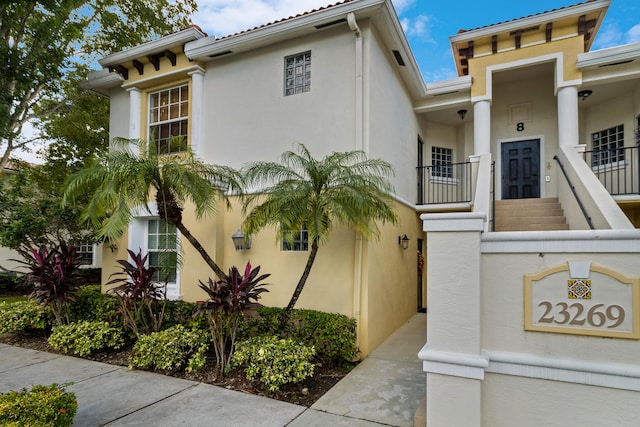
point(617, 169)
point(445, 183)
point(575, 194)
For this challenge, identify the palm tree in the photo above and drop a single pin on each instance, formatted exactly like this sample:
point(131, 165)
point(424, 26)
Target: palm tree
point(343, 187)
point(129, 175)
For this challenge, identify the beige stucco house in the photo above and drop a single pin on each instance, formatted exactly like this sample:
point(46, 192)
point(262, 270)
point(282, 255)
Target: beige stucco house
point(536, 128)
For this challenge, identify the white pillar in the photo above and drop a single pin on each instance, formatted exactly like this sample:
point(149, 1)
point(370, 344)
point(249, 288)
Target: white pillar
point(482, 127)
point(197, 112)
point(568, 116)
point(452, 357)
point(135, 104)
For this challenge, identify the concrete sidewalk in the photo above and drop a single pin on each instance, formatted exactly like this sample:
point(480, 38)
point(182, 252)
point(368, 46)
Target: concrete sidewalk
point(385, 389)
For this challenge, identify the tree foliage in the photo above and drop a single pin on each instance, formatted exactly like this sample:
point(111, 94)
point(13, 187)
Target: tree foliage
point(132, 171)
point(343, 187)
point(31, 214)
point(43, 42)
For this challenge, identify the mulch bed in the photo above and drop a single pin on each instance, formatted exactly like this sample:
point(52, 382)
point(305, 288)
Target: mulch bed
point(304, 393)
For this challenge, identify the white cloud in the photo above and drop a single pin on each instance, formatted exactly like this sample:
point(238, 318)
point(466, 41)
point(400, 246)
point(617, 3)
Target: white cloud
point(402, 5)
point(608, 36)
point(633, 35)
point(225, 17)
point(419, 27)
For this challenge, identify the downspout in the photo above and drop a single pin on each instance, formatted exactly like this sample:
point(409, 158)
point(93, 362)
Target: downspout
point(359, 145)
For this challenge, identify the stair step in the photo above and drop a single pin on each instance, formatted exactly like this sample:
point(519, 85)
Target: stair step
point(529, 215)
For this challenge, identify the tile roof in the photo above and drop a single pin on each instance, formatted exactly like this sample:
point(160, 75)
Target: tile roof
point(524, 17)
point(286, 19)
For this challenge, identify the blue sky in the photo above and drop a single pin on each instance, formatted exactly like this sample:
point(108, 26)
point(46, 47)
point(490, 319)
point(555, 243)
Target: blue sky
point(427, 23)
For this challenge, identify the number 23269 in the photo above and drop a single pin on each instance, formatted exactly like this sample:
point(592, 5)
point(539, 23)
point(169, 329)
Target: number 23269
point(599, 315)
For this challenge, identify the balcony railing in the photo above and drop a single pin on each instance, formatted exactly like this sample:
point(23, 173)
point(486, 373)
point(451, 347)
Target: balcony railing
point(618, 169)
point(445, 183)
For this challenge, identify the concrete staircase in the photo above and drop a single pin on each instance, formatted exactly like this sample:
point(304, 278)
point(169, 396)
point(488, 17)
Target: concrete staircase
point(529, 215)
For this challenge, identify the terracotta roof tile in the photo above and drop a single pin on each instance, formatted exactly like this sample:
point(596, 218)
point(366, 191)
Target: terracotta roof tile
point(528, 16)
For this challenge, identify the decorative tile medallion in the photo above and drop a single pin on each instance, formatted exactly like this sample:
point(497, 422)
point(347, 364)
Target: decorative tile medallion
point(579, 288)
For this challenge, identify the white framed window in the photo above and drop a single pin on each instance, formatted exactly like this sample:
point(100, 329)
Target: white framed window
point(297, 73)
point(85, 253)
point(441, 162)
point(162, 245)
point(608, 147)
point(169, 119)
point(296, 240)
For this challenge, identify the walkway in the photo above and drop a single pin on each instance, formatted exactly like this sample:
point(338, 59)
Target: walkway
point(385, 389)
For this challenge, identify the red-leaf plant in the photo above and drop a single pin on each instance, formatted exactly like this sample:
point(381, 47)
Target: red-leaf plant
point(139, 293)
point(229, 300)
point(54, 274)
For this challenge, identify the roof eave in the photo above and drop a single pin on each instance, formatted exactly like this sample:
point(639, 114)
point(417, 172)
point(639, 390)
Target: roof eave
point(153, 47)
point(609, 56)
point(209, 47)
point(531, 21)
point(102, 81)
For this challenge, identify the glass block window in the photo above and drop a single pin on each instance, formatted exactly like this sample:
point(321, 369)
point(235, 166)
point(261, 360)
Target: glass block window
point(441, 160)
point(608, 146)
point(162, 247)
point(296, 240)
point(169, 119)
point(297, 73)
point(85, 253)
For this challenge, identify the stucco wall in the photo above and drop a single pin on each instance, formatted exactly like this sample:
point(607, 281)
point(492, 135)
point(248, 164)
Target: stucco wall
point(247, 117)
point(394, 126)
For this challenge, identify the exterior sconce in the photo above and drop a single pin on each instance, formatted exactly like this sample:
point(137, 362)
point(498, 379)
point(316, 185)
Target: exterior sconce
point(240, 242)
point(462, 113)
point(403, 241)
point(584, 94)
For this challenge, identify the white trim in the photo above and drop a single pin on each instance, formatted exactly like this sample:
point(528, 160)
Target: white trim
point(562, 241)
point(604, 374)
point(454, 364)
point(447, 86)
point(612, 55)
point(457, 221)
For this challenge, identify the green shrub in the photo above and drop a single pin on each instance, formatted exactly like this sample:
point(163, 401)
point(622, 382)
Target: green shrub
point(22, 315)
point(42, 406)
point(171, 349)
point(91, 304)
point(273, 361)
point(332, 335)
point(83, 338)
point(182, 313)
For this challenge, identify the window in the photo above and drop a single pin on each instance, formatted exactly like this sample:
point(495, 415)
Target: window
point(85, 253)
point(168, 119)
point(296, 240)
point(162, 247)
point(441, 160)
point(297, 74)
point(608, 146)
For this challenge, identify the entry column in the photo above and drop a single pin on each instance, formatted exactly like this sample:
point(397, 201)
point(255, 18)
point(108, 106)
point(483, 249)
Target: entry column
point(452, 356)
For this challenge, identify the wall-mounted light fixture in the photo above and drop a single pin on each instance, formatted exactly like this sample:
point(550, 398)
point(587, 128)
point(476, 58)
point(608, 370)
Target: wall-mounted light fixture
point(584, 94)
point(403, 241)
point(462, 113)
point(240, 242)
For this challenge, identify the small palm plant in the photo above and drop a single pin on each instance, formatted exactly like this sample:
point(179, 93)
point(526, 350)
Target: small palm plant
point(301, 191)
point(54, 274)
point(139, 293)
point(229, 299)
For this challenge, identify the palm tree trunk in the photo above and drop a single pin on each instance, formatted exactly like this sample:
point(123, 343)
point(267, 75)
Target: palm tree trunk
point(201, 250)
point(284, 318)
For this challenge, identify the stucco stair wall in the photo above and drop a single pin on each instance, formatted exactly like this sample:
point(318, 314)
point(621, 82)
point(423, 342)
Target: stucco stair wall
point(529, 215)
